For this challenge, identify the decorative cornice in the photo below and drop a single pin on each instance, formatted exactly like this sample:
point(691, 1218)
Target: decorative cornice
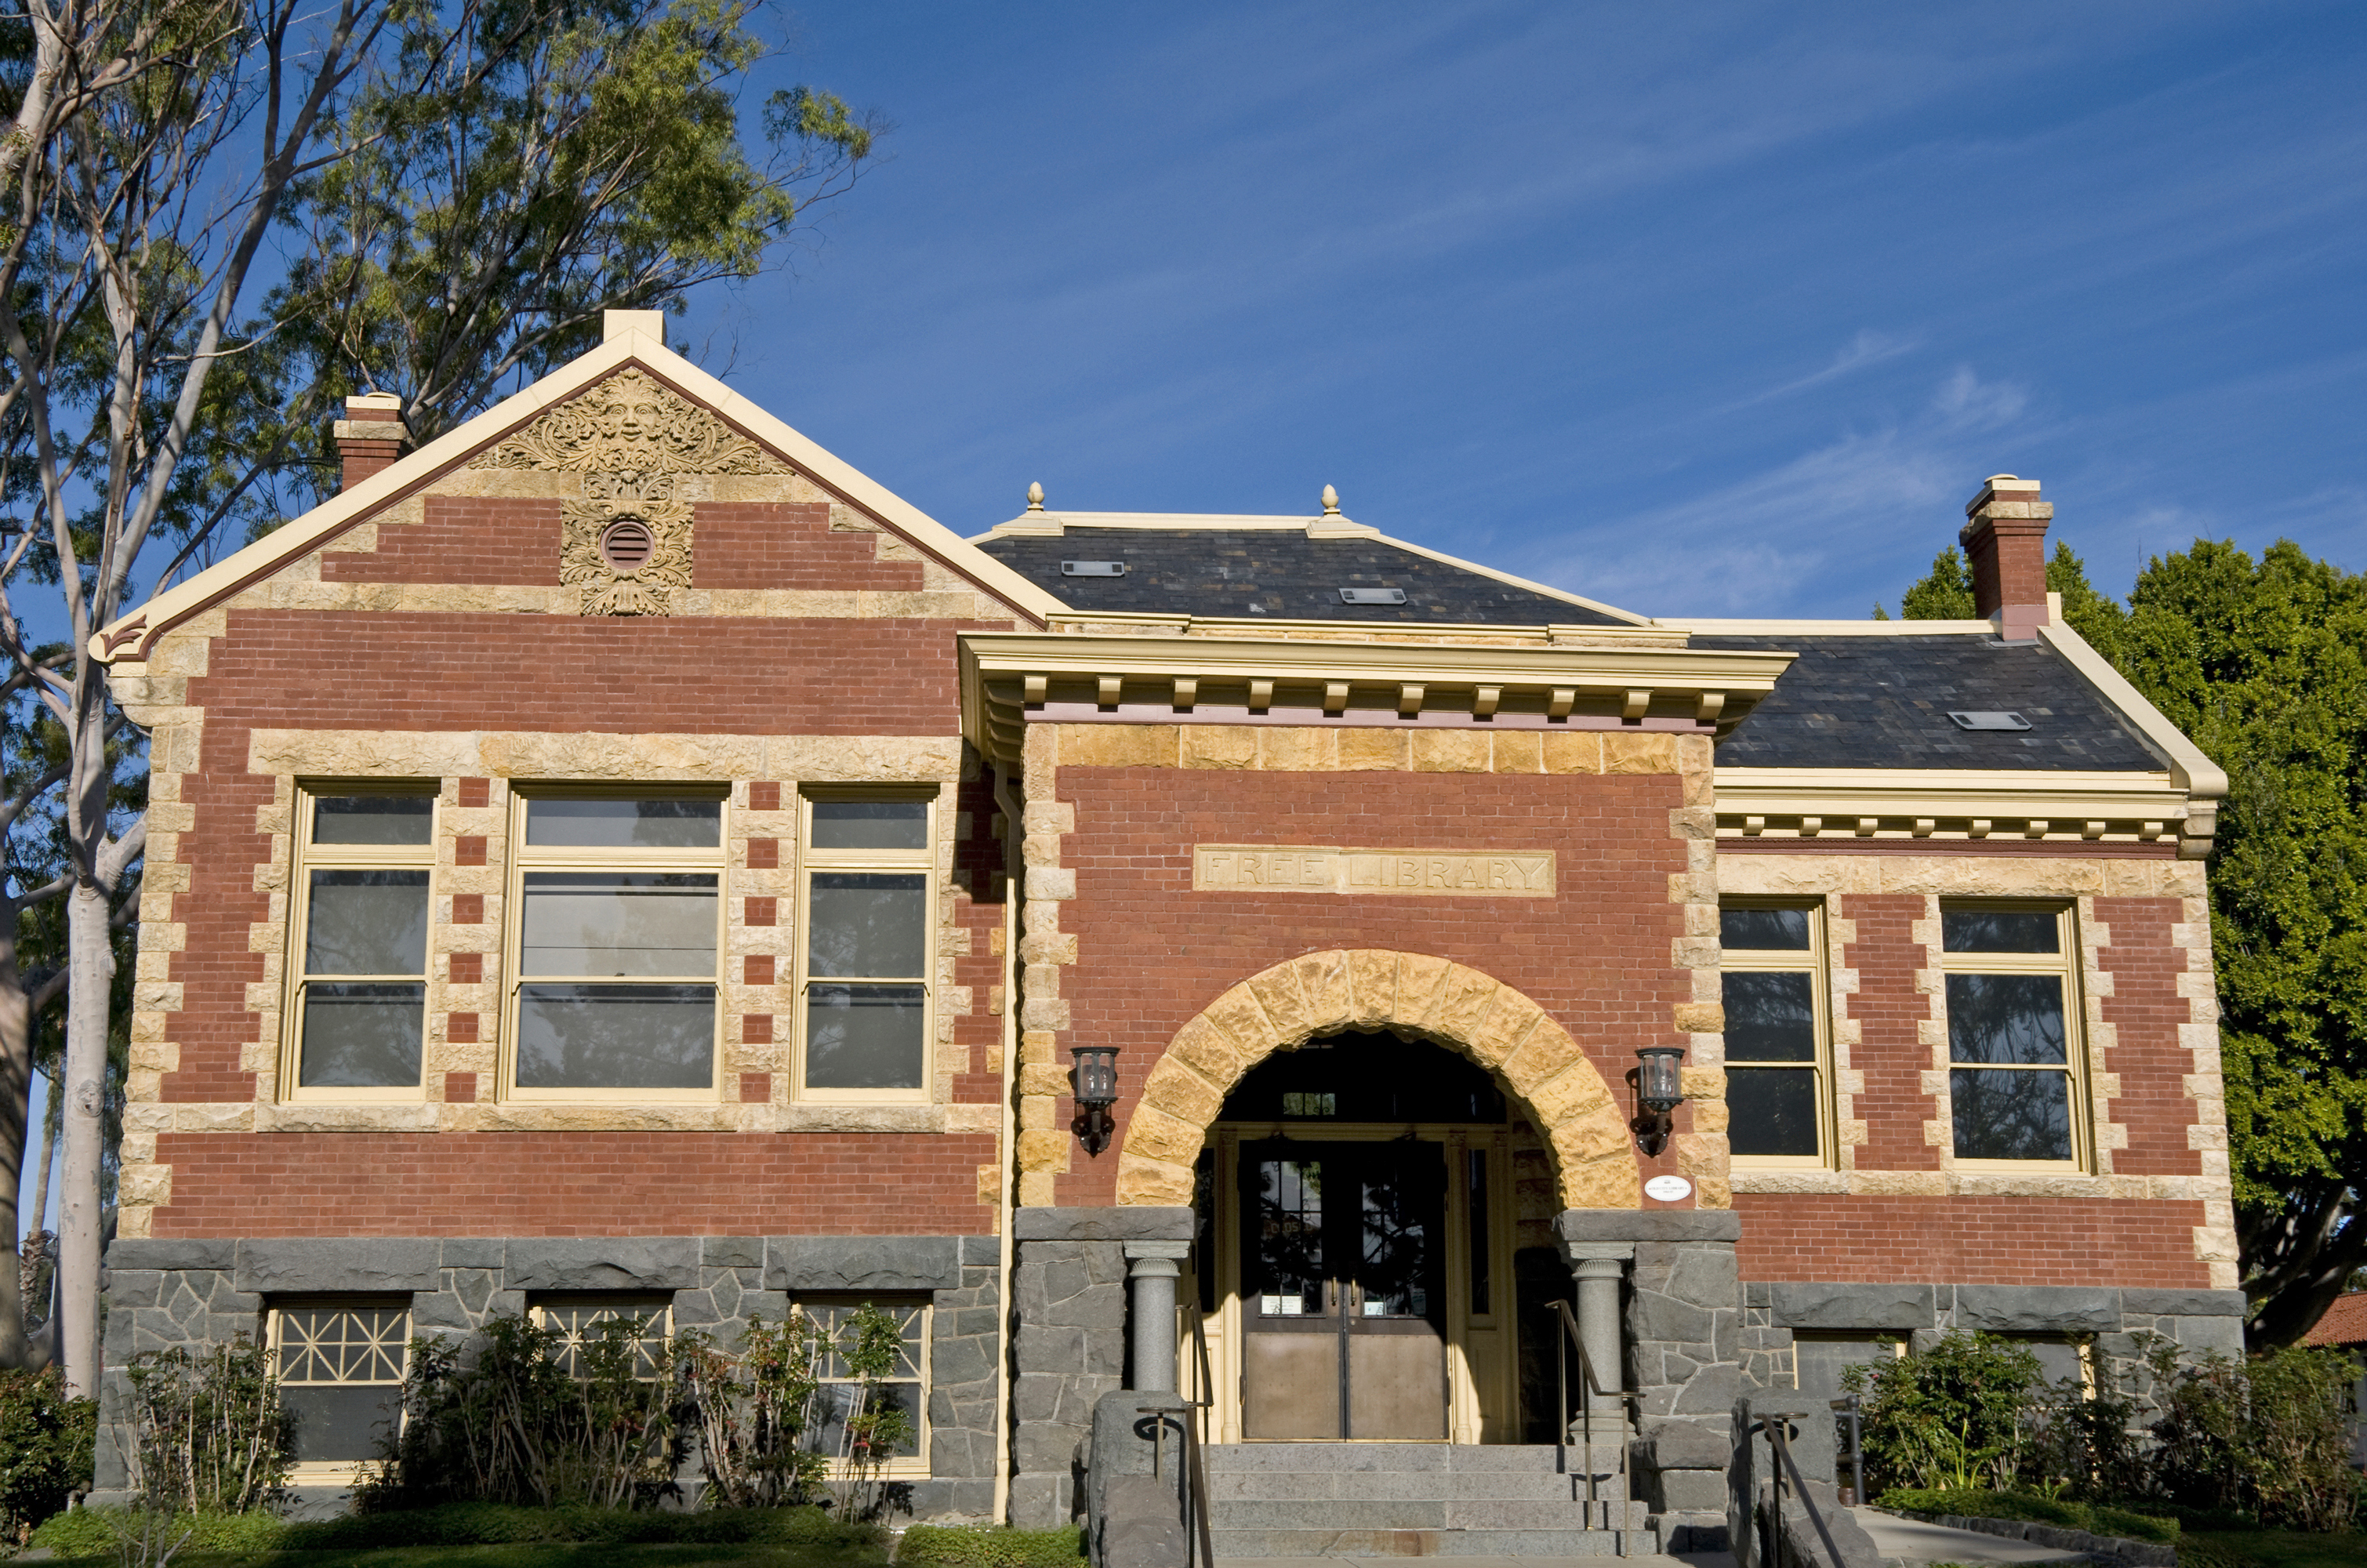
point(1010, 679)
point(1808, 804)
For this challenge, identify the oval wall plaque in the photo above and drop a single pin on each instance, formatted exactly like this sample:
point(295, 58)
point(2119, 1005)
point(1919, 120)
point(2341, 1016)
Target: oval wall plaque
point(1668, 1189)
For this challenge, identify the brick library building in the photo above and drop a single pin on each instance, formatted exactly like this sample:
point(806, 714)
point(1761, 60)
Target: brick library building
point(617, 858)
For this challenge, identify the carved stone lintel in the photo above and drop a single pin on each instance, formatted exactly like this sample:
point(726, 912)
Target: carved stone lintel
point(629, 436)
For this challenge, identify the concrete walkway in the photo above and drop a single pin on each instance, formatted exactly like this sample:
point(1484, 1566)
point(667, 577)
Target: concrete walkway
point(1897, 1540)
point(1911, 1540)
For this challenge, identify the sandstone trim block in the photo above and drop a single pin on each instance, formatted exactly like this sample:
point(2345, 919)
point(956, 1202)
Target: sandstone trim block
point(1324, 993)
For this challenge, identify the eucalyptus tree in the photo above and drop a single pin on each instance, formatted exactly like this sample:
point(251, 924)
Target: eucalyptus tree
point(218, 218)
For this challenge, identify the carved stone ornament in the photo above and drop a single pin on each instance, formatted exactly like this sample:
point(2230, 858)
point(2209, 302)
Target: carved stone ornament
point(625, 545)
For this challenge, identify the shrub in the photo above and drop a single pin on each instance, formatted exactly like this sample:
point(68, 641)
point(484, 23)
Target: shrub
point(752, 1409)
point(2266, 1436)
point(99, 1532)
point(208, 1432)
point(519, 1424)
point(1951, 1417)
point(45, 1448)
point(515, 1417)
point(2035, 1508)
point(963, 1546)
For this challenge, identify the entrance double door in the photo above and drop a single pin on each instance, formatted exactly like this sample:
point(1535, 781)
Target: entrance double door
point(1343, 1298)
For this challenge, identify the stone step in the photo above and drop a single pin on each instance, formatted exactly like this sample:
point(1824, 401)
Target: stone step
point(1536, 1458)
point(1451, 1485)
point(1237, 1543)
point(1375, 1515)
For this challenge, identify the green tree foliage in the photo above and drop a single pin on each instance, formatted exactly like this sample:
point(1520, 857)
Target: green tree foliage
point(45, 1448)
point(451, 192)
point(1944, 593)
point(2263, 663)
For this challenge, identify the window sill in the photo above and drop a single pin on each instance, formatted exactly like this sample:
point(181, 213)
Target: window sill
point(2024, 1182)
point(595, 1116)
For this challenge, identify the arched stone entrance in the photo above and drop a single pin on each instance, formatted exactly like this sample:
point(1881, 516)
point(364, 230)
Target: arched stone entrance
point(1342, 988)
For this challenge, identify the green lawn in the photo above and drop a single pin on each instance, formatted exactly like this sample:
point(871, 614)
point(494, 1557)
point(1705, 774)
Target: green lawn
point(2271, 1549)
point(546, 1555)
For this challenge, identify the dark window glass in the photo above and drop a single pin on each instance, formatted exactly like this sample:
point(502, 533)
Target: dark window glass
point(366, 922)
point(1764, 930)
point(871, 824)
point(362, 1036)
point(1288, 1249)
point(615, 1037)
point(1999, 931)
point(2008, 1114)
point(1771, 1017)
point(373, 819)
point(1771, 1111)
point(558, 822)
point(867, 924)
point(2006, 1020)
point(865, 1037)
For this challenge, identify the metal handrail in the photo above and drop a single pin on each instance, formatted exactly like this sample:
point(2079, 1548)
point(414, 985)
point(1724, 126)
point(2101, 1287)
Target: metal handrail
point(1852, 1407)
point(1198, 1325)
point(1589, 1388)
point(1200, 1550)
point(1779, 1437)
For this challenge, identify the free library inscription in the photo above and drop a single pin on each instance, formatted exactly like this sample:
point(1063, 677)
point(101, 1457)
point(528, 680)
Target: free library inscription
point(1438, 873)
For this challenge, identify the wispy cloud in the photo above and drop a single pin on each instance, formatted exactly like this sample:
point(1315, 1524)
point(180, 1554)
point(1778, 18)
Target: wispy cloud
point(1809, 532)
point(1965, 403)
point(1868, 348)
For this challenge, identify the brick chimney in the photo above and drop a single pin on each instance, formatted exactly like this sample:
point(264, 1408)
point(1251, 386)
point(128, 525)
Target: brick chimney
point(2005, 542)
point(370, 436)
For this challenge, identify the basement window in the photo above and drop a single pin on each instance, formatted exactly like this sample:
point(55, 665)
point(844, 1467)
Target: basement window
point(1092, 568)
point(1989, 720)
point(1371, 596)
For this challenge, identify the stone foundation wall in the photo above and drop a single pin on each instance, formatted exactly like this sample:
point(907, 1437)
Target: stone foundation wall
point(1068, 1312)
point(2119, 1325)
point(195, 1295)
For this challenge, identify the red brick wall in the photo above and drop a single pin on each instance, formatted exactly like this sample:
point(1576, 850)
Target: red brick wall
point(2146, 1010)
point(575, 1184)
point(1971, 1241)
point(1154, 953)
point(466, 672)
point(1887, 1008)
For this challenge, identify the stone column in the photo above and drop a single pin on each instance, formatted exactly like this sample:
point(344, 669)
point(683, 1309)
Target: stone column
point(1600, 1267)
point(1154, 1273)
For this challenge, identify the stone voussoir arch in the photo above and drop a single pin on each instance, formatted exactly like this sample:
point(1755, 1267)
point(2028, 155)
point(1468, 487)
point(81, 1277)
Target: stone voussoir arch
point(1323, 993)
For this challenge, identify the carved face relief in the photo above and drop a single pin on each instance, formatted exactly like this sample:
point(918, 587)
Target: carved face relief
point(626, 545)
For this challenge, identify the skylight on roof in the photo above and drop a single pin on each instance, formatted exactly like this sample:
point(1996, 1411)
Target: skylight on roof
point(1371, 596)
point(1989, 720)
point(1092, 568)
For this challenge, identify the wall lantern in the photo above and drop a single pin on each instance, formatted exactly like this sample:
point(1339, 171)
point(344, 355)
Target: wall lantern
point(1097, 1084)
point(1660, 1087)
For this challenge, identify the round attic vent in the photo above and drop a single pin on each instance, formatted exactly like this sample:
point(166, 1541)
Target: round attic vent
point(626, 545)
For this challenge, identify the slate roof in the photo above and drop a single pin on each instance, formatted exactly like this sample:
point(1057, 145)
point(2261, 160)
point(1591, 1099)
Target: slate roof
point(1882, 700)
point(1273, 571)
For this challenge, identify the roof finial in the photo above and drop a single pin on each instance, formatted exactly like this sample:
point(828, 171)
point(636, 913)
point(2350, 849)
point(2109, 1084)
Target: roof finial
point(1330, 502)
point(1036, 497)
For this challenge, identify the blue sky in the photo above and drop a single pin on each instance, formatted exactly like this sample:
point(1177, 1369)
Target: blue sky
point(1710, 310)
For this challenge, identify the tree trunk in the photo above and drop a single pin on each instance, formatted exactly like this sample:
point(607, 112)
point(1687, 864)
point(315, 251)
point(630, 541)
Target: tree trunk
point(15, 1089)
point(90, 951)
point(40, 1217)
